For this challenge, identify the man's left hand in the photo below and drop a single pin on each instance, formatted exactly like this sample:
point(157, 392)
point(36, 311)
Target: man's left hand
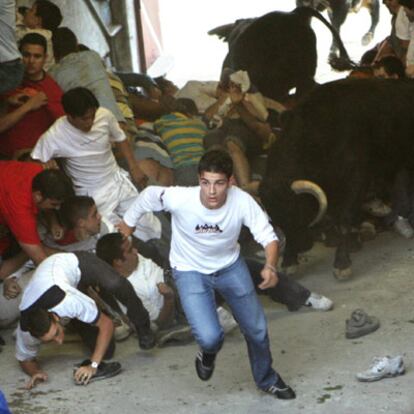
point(83, 374)
point(270, 278)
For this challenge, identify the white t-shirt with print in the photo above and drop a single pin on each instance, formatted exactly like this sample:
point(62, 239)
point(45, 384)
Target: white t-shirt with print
point(204, 240)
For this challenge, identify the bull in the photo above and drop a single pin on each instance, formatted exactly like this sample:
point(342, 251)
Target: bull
point(278, 50)
point(334, 143)
point(339, 9)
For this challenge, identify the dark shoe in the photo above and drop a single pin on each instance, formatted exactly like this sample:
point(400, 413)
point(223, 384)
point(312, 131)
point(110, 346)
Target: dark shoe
point(281, 390)
point(105, 370)
point(146, 341)
point(203, 372)
point(2, 341)
point(360, 324)
point(176, 335)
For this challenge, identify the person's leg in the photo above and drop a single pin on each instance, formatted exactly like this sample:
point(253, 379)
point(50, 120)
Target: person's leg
point(95, 272)
point(235, 285)
point(199, 305)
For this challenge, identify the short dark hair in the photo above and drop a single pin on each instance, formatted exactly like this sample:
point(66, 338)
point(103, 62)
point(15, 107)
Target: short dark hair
point(33, 39)
point(75, 208)
point(49, 13)
point(216, 161)
point(64, 41)
point(186, 106)
point(53, 184)
point(392, 66)
point(38, 322)
point(109, 247)
point(77, 101)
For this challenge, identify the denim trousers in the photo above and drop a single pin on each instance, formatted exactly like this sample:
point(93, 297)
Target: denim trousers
point(235, 285)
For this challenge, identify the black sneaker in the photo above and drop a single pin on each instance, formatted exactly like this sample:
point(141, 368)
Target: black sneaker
point(281, 390)
point(105, 370)
point(2, 341)
point(203, 372)
point(146, 341)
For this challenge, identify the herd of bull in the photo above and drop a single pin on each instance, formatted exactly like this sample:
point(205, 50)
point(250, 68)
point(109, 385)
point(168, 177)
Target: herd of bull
point(337, 142)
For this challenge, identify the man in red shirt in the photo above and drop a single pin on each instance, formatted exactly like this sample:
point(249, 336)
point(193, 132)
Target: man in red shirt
point(34, 106)
point(25, 189)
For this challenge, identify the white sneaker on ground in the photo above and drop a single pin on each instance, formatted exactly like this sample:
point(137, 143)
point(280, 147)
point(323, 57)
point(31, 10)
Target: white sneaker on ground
point(383, 367)
point(319, 302)
point(403, 227)
point(227, 322)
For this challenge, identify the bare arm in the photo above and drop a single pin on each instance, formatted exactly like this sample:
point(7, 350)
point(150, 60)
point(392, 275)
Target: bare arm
point(35, 251)
point(32, 369)
point(137, 174)
point(167, 311)
point(7, 121)
point(269, 273)
point(212, 110)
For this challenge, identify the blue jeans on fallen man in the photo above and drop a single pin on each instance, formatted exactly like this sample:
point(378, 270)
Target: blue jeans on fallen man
point(235, 284)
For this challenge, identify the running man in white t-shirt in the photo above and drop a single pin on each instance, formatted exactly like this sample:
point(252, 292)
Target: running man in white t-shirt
point(83, 139)
point(205, 256)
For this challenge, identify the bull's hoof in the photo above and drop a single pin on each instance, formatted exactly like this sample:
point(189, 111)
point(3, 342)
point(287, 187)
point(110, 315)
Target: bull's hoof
point(367, 39)
point(367, 231)
point(342, 274)
point(290, 270)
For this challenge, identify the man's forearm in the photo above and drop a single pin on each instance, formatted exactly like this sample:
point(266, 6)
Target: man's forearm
point(106, 330)
point(126, 151)
point(9, 120)
point(167, 311)
point(35, 251)
point(272, 254)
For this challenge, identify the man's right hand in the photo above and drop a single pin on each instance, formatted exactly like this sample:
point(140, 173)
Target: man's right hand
point(35, 379)
point(36, 101)
point(11, 288)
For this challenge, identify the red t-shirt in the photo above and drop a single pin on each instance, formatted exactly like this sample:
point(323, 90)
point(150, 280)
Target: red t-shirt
point(17, 209)
point(28, 130)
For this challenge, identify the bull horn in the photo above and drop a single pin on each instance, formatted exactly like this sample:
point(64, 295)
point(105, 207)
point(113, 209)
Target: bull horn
point(309, 187)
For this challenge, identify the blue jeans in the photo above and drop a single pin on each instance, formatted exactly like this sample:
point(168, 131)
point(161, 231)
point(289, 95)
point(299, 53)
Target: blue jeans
point(234, 283)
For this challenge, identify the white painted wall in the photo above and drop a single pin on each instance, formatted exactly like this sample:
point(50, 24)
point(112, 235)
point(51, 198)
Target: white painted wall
point(196, 55)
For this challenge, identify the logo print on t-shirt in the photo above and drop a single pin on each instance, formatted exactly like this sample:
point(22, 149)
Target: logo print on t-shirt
point(208, 228)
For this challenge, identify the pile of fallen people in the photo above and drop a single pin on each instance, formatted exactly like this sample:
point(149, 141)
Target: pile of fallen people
point(121, 194)
point(78, 148)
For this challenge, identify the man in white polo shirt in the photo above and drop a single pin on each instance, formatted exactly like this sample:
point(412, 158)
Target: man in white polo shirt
point(83, 139)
